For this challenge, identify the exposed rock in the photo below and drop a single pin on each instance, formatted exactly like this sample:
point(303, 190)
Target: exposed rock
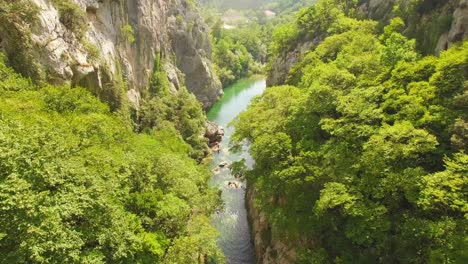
point(223, 164)
point(283, 64)
point(213, 133)
point(71, 60)
point(442, 44)
point(459, 29)
point(377, 9)
point(381, 10)
point(215, 147)
point(268, 249)
point(234, 184)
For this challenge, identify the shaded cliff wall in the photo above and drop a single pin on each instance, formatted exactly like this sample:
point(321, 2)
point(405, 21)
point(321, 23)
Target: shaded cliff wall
point(268, 248)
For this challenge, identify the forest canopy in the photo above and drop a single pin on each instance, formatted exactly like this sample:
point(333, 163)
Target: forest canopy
point(363, 153)
point(77, 185)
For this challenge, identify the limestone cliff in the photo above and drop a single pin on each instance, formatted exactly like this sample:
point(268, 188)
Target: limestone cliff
point(436, 25)
point(268, 249)
point(98, 43)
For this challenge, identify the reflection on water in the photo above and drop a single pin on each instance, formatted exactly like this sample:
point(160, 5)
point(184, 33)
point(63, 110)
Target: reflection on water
point(235, 240)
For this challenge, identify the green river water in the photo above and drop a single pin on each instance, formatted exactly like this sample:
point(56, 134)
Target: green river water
point(235, 239)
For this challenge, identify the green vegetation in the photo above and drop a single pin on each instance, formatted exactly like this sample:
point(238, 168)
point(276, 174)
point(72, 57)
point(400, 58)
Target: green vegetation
point(253, 4)
point(78, 186)
point(364, 153)
point(92, 50)
point(241, 37)
point(178, 111)
point(128, 33)
point(72, 17)
point(237, 52)
point(16, 17)
point(362, 157)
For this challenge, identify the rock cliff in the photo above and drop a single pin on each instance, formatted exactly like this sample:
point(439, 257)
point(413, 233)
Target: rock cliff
point(268, 249)
point(436, 25)
point(101, 43)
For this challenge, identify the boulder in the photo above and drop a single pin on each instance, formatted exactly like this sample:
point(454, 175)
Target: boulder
point(235, 185)
point(215, 147)
point(213, 133)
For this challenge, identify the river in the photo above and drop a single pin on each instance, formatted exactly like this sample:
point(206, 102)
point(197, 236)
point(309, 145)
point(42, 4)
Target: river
point(231, 222)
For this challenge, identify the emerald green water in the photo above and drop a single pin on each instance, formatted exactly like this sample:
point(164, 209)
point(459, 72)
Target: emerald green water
point(231, 222)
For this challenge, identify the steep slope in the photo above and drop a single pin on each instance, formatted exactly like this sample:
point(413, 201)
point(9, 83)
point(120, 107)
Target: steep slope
point(101, 43)
point(78, 185)
point(436, 25)
point(362, 157)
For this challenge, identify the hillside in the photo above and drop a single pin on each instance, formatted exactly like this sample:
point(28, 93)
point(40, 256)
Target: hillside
point(435, 25)
point(361, 158)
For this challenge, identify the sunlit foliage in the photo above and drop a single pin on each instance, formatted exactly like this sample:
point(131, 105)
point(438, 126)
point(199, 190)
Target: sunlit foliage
point(365, 156)
point(78, 186)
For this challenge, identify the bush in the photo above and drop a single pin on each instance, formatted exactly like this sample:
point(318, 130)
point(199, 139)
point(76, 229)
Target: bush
point(16, 18)
point(72, 17)
point(128, 33)
point(74, 176)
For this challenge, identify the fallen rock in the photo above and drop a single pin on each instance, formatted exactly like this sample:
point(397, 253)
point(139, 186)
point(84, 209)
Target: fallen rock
point(235, 185)
point(223, 164)
point(215, 148)
point(213, 133)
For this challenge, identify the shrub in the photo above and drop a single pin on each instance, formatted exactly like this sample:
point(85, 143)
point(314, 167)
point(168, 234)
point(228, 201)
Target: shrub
point(128, 33)
point(72, 17)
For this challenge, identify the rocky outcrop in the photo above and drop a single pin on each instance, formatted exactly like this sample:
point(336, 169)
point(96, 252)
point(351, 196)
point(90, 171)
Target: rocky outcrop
point(120, 42)
point(377, 9)
point(213, 133)
point(429, 18)
point(281, 66)
point(268, 249)
point(459, 28)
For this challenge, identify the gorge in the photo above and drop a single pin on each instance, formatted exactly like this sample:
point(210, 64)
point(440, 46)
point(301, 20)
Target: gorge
point(252, 131)
point(231, 221)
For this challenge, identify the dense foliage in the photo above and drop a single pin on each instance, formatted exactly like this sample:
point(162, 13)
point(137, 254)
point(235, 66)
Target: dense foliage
point(78, 186)
point(362, 158)
point(237, 52)
point(178, 111)
point(241, 37)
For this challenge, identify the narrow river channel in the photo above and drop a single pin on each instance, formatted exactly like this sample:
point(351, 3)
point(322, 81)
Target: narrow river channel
point(235, 240)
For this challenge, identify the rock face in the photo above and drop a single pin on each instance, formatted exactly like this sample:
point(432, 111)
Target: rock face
point(430, 11)
point(173, 29)
point(282, 65)
point(459, 28)
point(268, 249)
point(214, 133)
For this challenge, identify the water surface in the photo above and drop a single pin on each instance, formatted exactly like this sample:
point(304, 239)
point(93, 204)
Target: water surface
point(235, 239)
